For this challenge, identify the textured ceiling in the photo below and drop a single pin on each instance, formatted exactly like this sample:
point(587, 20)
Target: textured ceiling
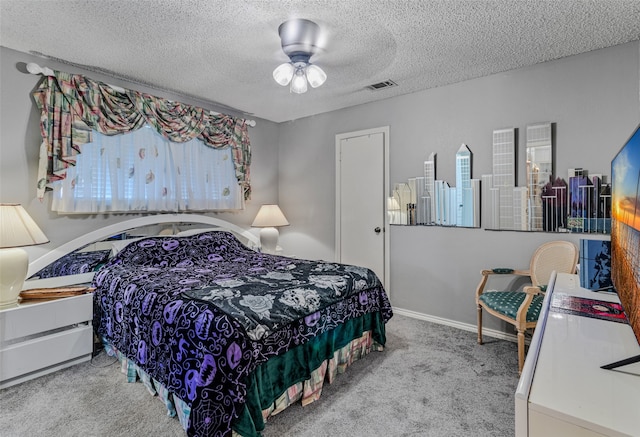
point(224, 51)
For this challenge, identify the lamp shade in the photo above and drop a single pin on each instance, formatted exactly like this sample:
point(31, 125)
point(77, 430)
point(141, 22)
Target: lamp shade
point(17, 228)
point(392, 204)
point(269, 216)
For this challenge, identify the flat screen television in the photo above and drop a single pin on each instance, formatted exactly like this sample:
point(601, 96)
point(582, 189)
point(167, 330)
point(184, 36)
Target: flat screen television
point(625, 233)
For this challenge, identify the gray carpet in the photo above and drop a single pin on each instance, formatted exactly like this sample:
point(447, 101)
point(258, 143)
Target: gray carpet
point(431, 380)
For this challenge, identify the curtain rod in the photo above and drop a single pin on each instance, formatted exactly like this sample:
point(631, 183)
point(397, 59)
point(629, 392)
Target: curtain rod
point(34, 68)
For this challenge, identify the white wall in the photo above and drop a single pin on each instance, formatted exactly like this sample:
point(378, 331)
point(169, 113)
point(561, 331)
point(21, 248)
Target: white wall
point(20, 142)
point(593, 98)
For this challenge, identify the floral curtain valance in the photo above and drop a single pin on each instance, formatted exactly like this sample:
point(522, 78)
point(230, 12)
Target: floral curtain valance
point(73, 105)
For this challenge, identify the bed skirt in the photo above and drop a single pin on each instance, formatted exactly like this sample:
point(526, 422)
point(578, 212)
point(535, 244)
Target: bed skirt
point(248, 425)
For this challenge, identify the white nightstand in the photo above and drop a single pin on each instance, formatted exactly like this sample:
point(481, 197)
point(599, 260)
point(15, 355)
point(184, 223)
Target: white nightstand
point(40, 337)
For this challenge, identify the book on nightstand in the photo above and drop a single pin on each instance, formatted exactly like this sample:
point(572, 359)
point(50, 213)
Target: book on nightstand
point(54, 293)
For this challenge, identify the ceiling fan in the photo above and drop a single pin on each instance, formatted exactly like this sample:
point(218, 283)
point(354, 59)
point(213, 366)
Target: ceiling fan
point(300, 40)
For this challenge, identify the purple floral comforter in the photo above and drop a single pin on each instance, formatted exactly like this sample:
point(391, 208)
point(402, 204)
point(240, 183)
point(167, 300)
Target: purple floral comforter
point(199, 313)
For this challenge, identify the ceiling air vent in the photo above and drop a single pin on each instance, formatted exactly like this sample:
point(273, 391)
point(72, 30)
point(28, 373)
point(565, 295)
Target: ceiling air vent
point(382, 85)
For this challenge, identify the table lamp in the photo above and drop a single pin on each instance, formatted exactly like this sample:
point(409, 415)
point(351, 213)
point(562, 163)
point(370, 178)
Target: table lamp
point(392, 207)
point(269, 216)
point(17, 229)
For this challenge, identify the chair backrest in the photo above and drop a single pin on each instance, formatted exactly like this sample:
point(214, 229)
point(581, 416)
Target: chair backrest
point(561, 256)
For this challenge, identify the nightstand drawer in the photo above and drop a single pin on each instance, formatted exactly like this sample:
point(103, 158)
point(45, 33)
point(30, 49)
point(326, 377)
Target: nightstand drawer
point(39, 337)
point(37, 318)
point(43, 352)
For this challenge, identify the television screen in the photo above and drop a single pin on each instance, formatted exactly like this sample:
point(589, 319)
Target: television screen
point(625, 231)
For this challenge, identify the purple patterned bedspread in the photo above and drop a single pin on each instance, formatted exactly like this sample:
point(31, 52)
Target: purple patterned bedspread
point(199, 313)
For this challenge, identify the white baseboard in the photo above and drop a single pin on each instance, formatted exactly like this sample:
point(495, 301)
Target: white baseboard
point(455, 324)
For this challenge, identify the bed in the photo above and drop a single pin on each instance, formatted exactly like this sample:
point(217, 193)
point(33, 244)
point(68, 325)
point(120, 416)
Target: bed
point(227, 336)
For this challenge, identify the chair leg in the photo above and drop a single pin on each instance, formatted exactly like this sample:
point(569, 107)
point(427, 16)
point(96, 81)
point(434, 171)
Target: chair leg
point(479, 324)
point(520, 351)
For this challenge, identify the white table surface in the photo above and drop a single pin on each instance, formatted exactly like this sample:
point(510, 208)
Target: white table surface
point(568, 382)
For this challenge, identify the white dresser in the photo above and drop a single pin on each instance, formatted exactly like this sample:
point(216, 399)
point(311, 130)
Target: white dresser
point(562, 390)
point(40, 337)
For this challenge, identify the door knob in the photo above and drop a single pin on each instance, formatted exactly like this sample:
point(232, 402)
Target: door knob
point(377, 230)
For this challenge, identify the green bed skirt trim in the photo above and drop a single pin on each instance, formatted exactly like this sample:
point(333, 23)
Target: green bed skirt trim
point(271, 379)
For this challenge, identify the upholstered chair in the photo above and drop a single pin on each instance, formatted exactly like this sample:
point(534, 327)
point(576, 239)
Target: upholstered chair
point(522, 308)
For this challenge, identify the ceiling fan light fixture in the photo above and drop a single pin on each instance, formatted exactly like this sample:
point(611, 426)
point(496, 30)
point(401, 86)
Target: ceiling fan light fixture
point(284, 73)
point(300, 39)
point(315, 75)
point(299, 82)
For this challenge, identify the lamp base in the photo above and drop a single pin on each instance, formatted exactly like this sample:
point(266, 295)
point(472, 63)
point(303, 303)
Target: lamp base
point(269, 240)
point(14, 263)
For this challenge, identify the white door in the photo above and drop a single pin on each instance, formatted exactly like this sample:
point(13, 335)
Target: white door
point(361, 221)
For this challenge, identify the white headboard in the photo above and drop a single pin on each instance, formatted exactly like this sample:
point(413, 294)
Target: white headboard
point(117, 228)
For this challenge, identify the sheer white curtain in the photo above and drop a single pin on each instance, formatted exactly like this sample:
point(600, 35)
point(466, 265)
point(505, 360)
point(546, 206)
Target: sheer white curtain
point(143, 171)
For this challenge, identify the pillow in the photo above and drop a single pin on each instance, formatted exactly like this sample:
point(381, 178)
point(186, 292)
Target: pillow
point(167, 231)
point(244, 240)
point(118, 245)
point(183, 251)
point(98, 245)
point(197, 231)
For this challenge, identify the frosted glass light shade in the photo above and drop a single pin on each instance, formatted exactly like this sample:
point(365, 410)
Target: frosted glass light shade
point(299, 82)
point(315, 75)
point(297, 74)
point(283, 73)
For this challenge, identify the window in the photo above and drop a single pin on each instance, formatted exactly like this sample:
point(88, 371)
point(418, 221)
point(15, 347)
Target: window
point(164, 177)
point(142, 171)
